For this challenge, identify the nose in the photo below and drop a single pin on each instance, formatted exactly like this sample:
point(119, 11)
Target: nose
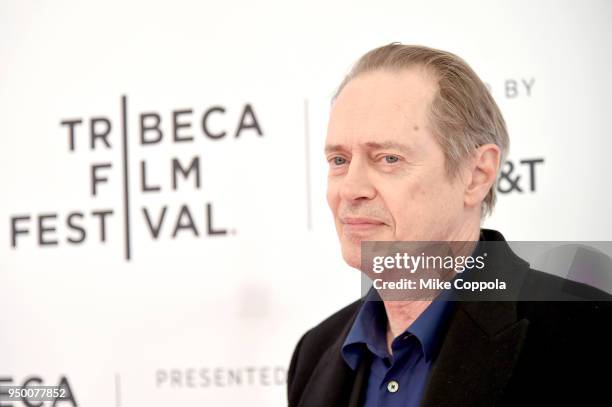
point(356, 184)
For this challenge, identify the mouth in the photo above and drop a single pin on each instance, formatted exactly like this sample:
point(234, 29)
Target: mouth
point(360, 225)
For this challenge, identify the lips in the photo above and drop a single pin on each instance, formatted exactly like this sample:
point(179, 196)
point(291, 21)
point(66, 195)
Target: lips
point(361, 221)
point(355, 225)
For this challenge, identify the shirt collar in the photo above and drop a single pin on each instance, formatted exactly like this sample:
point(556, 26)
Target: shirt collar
point(369, 329)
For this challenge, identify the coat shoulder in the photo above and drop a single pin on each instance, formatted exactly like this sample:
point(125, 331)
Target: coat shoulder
point(319, 338)
point(313, 344)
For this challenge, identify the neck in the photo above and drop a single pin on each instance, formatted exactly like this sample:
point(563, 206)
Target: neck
point(401, 314)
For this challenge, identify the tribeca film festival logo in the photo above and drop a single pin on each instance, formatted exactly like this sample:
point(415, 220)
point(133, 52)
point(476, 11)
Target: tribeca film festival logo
point(101, 133)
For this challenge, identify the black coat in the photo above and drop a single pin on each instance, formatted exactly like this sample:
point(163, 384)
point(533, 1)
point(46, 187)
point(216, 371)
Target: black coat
point(509, 353)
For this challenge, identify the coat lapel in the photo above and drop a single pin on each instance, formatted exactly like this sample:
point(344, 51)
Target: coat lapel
point(478, 355)
point(333, 382)
point(483, 341)
point(361, 381)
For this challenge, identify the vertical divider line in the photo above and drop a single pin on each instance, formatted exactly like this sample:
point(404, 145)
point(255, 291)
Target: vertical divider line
point(117, 391)
point(126, 178)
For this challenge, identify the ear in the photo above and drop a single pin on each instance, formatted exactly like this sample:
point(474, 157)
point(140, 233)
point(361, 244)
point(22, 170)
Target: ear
point(482, 173)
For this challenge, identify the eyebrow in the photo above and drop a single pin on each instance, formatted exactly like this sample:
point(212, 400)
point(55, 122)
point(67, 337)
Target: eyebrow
point(391, 145)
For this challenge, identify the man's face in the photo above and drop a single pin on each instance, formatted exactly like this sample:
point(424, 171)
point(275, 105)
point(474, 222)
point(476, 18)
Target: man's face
point(387, 178)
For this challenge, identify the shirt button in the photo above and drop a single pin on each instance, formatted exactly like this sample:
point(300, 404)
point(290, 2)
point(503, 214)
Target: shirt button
point(392, 386)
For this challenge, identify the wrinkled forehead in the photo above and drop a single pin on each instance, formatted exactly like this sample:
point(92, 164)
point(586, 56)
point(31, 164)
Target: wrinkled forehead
point(382, 106)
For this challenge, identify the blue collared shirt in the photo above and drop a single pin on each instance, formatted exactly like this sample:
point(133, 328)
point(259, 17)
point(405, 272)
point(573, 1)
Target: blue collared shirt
point(398, 379)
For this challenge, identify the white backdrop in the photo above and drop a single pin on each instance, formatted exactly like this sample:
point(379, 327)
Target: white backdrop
point(210, 316)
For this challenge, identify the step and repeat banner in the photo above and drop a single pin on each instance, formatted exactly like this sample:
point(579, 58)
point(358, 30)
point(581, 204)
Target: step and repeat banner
point(165, 234)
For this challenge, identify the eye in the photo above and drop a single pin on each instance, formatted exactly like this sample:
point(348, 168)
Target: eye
point(391, 159)
point(337, 160)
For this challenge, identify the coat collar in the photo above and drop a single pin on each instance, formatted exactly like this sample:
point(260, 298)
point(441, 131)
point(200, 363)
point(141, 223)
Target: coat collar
point(483, 341)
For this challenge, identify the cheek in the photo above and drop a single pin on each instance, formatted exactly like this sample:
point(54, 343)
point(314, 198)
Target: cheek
point(418, 209)
point(410, 206)
point(411, 197)
point(403, 201)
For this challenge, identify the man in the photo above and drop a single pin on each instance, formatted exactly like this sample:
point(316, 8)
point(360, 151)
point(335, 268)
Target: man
point(414, 146)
